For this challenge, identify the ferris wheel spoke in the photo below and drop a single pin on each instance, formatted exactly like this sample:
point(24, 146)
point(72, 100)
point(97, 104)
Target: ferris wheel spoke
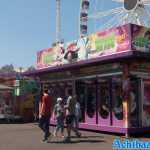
point(147, 4)
point(125, 18)
point(145, 1)
point(120, 1)
point(120, 20)
point(111, 22)
point(106, 13)
point(147, 16)
point(135, 20)
point(147, 13)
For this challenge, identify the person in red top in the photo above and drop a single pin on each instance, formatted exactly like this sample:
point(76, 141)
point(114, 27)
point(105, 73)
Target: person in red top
point(45, 114)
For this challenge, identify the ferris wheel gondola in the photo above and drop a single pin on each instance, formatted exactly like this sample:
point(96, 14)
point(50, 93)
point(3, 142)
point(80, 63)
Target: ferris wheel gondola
point(84, 17)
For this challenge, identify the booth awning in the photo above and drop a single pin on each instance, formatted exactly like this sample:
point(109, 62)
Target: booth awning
point(105, 59)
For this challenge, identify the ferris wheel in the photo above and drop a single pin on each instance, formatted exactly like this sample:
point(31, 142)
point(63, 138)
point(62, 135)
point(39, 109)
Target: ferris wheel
point(130, 11)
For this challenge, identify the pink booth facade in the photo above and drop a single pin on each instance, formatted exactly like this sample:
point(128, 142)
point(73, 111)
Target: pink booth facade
point(108, 71)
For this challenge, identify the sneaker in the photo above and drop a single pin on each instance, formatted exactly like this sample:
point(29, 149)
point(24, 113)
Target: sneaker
point(67, 140)
point(78, 134)
point(48, 139)
point(44, 140)
point(54, 134)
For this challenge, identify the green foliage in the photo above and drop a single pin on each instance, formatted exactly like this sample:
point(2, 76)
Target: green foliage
point(28, 86)
point(141, 41)
point(7, 69)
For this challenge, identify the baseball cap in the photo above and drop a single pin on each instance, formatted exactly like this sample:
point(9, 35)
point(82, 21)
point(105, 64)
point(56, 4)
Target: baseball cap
point(59, 99)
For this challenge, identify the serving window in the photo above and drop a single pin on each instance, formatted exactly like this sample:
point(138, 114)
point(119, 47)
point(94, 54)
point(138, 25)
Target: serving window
point(117, 98)
point(104, 92)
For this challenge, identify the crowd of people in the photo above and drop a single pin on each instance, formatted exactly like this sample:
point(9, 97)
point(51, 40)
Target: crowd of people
point(67, 113)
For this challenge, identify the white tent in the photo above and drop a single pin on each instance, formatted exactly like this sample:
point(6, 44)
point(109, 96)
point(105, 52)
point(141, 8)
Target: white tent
point(5, 87)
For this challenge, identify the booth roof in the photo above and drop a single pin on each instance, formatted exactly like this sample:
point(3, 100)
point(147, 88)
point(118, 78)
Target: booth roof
point(7, 75)
point(101, 60)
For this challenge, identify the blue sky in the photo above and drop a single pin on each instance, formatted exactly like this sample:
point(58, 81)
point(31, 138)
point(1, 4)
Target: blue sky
point(27, 26)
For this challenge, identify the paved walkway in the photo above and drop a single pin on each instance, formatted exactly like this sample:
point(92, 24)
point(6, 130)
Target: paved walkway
point(28, 137)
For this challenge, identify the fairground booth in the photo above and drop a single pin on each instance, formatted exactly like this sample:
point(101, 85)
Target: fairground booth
point(18, 96)
point(109, 72)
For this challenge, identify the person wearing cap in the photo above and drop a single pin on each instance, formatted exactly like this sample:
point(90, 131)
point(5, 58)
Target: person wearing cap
point(59, 115)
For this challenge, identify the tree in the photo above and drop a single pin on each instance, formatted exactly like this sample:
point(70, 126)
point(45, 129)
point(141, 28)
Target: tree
point(7, 69)
point(31, 68)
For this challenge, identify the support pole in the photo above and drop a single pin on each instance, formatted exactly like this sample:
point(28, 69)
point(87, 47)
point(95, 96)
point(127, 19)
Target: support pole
point(58, 21)
point(126, 98)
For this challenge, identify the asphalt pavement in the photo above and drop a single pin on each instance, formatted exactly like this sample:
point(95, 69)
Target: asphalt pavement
point(29, 137)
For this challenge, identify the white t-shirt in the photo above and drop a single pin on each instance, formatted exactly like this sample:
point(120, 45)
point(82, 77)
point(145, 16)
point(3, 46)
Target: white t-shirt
point(77, 109)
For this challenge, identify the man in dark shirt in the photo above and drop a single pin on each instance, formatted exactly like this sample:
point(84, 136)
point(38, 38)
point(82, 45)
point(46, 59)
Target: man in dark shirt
point(45, 114)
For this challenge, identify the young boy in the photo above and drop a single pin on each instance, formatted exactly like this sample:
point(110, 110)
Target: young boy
point(59, 113)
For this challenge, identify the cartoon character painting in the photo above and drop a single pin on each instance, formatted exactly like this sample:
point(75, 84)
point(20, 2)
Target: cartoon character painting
point(71, 53)
point(140, 38)
point(146, 104)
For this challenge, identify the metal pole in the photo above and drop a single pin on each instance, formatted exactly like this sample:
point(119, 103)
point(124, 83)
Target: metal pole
point(58, 21)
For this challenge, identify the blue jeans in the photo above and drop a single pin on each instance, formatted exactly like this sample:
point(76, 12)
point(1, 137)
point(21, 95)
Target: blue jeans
point(76, 120)
point(60, 124)
point(44, 125)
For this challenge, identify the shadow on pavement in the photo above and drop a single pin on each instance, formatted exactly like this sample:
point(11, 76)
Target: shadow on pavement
point(82, 139)
point(77, 141)
point(86, 137)
point(142, 135)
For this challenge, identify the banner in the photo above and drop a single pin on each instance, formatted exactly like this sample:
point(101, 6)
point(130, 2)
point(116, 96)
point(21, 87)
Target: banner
point(51, 56)
point(109, 42)
point(112, 41)
point(140, 38)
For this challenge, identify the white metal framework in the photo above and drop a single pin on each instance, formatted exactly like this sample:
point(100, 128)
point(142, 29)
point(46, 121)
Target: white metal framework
point(58, 21)
point(131, 11)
